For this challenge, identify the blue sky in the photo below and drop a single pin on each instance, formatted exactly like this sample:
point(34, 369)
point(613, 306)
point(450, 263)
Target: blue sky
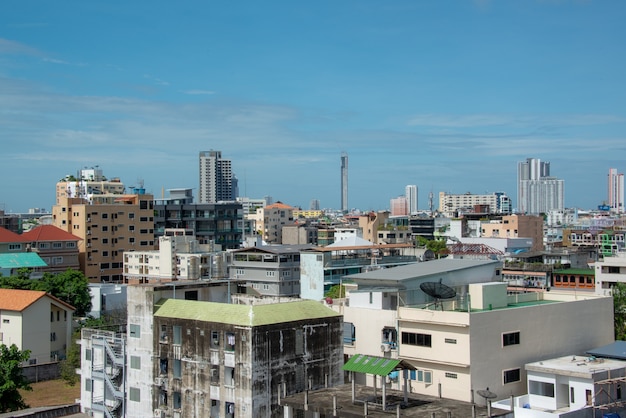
point(445, 95)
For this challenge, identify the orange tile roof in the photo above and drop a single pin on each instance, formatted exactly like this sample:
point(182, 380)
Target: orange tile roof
point(18, 300)
point(48, 233)
point(9, 236)
point(279, 205)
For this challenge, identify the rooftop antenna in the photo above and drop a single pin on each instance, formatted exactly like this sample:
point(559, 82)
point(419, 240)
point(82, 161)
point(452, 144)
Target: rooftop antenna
point(438, 291)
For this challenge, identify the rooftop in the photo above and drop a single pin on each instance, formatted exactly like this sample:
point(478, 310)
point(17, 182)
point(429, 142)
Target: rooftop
point(576, 366)
point(243, 315)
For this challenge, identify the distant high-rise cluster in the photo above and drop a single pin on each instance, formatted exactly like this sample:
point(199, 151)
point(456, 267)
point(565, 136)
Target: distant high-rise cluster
point(315, 204)
point(537, 191)
point(344, 182)
point(399, 206)
point(217, 182)
point(410, 192)
point(616, 191)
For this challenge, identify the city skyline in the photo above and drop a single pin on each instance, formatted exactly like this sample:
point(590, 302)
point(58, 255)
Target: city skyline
point(446, 97)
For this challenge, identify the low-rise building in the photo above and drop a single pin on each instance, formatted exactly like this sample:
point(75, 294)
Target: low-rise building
point(56, 247)
point(35, 321)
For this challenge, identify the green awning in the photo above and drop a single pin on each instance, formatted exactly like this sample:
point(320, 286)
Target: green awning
point(379, 366)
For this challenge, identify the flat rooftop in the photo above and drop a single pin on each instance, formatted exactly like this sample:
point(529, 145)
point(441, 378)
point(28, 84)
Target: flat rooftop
point(578, 366)
point(418, 405)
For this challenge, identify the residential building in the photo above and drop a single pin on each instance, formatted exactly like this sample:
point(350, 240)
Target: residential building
point(609, 271)
point(192, 358)
point(314, 205)
point(370, 223)
point(268, 270)
point(537, 191)
point(616, 191)
point(422, 226)
point(11, 242)
point(516, 226)
point(308, 214)
point(211, 223)
point(342, 233)
point(56, 247)
point(460, 329)
point(128, 385)
point(410, 192)
point(106, 228)
point(322, 268)
point(180, 257)
point(399, 206)
point(299, 233)
point(217, 182)
point(35, 321)
point(571, 386)
point(108, 299)
point(451, 204)
point(344, 182)
point(89, 184)
point(273, 218)
point(233, 360)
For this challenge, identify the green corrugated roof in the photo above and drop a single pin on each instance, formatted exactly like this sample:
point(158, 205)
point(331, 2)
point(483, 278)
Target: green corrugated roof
point(20, 260)
point(243, 315)
point(379, 366)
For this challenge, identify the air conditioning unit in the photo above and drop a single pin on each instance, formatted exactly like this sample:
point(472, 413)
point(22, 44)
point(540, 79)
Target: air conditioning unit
point(159, 413)
point(385, 348)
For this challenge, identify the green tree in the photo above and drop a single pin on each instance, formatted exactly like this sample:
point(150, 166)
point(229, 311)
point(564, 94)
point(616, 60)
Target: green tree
point(11, 378)
point(619, 310)
point(71, 362)
point(336, 292)
point(71, 287)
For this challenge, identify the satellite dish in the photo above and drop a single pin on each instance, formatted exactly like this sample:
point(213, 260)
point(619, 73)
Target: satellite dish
point(438, 290)
point(487, 394)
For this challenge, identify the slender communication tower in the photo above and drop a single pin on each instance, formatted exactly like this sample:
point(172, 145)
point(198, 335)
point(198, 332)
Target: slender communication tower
point(344, 182)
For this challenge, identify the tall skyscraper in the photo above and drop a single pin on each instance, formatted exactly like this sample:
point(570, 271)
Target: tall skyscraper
point(537, 191)
point(217, 182)
point(616, 191)
point(344, 182)
point(410, 193)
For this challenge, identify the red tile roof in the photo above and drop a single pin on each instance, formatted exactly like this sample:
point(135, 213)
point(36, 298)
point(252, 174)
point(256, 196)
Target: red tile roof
point(279, 205)
point(48, 233)
point(9, 236)
point(18, 300)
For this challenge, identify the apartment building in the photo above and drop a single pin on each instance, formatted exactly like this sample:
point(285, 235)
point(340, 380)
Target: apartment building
point(179, 257)
point(106, 228)
point(268, 270)
point(451, 204)
point(609, 271)
point(516, 226)
point(271, 219)
point(56, 247)
point(211, 223)
point(468, 334)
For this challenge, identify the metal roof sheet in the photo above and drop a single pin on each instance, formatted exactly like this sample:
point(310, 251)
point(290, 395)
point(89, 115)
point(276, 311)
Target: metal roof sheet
point(243, 315)
point(20, 260)
point(379, 366)
point(615, 350)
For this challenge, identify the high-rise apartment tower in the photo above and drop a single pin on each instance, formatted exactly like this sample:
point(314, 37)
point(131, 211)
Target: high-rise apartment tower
point(616, 191)
point(217, 182)
point(410, 193)
point(537, 191)
point(344, 182)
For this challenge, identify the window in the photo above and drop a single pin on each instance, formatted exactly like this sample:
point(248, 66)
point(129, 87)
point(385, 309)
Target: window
point(215, 339)
point(422, 340)
point(70, 245)
point(105, 229)
point(511, 376)
point(5, 321)
point(229, 376)
point(349, 333)
point(44, 245)
point(511, 338)
point(451, 375)
point(88, 355)
point(163, 366)
point(134, 394)
point(541, 388)
point(425, 376)
point(177, 400)
point(450, 340)
point(105, 215)
point(571, 395)
point(135, 330)
point(51, 316)
point(15, 247)
point(240, 272)
point(178, 369)
point(230, 341)
point(57, 245)
point(178, 334)
point(131, 228)
point(88, 385)
point(135, 362)
point(270, 273)
point(131, 216)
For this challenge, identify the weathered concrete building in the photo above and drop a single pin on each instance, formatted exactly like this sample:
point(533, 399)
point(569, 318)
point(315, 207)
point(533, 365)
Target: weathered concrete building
point(227, 360)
